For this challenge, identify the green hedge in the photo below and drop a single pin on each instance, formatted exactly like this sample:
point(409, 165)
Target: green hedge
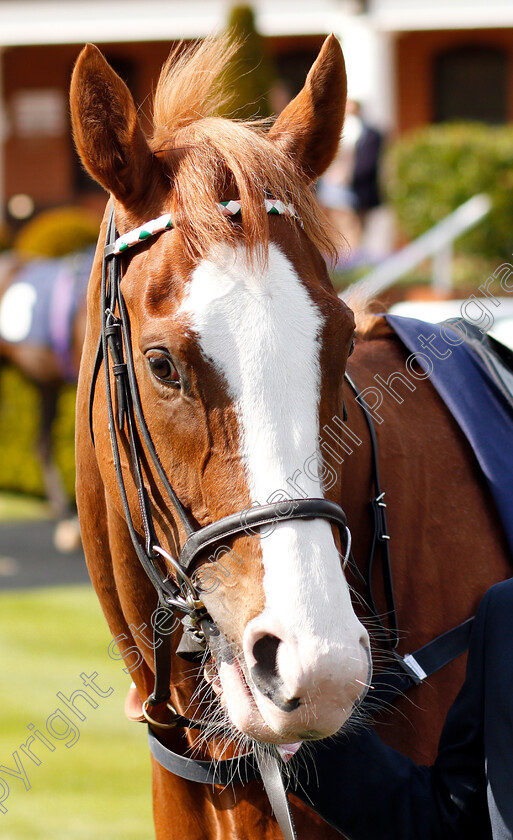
point(57, 232)
point(431, 171)
point(250, 75)
point(20, 469)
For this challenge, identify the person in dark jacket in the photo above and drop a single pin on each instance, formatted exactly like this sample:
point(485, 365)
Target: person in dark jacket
point(349, 189)
point(369, 791)
point(365, 177)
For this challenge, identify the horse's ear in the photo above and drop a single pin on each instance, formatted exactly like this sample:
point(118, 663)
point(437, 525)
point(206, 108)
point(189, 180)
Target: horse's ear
point(108, 136)
point(309, 128)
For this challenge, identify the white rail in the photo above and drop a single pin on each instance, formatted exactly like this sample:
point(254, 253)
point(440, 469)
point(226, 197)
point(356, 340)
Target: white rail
point(436, 243)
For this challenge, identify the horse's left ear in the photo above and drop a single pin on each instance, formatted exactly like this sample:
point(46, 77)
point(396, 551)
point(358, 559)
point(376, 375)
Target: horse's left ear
point(309, 128)
point(108, 136)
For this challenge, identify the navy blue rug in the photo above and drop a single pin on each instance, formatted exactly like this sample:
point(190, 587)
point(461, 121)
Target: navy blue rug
point(477, 404)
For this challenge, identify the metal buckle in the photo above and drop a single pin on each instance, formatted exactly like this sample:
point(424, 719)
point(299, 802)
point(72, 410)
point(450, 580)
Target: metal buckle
point(413, 668)
point(190, 594)
point(157, 723)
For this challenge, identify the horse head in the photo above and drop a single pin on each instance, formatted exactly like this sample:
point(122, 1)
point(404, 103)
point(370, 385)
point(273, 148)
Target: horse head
point(239, 345)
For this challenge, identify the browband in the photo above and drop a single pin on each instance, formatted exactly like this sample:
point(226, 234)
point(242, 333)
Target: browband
point(227, 208)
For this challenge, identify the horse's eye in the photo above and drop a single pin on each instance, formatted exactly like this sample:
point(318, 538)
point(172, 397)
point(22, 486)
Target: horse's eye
point(163, 368)
point(351, 347)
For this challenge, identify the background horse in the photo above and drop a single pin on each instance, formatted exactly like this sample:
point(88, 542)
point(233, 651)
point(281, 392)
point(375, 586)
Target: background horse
point(42, 328)
point(236, 344)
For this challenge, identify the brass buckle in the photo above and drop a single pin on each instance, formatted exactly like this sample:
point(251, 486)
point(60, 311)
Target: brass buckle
point(157, 723)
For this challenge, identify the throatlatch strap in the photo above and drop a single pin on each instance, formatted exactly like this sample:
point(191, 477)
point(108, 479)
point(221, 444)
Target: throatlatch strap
point(380, 536)
point(414, 668)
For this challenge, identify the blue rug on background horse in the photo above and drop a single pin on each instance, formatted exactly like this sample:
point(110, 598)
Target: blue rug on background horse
point(475, 389)
point(41, 303)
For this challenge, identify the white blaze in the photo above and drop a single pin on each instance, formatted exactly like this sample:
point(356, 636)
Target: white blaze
point(261, 330)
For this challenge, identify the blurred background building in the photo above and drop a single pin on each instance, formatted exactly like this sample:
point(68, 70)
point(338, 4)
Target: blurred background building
point(409, 63)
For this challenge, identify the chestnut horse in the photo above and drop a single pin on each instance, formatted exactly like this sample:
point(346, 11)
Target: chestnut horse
point(235, 346)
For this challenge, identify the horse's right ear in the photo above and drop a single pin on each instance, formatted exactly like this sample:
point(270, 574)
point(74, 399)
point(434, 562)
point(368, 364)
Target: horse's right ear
point(108, 136)
point(308, 129)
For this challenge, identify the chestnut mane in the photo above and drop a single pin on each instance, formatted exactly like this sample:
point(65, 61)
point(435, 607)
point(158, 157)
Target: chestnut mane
point(364, 308)
point(209, 157)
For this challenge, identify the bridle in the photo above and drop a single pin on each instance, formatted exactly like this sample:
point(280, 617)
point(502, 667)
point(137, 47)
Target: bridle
point(181, 595)
point(125, 415)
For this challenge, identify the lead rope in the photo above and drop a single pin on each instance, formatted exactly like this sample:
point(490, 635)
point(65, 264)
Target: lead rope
point(272, 779)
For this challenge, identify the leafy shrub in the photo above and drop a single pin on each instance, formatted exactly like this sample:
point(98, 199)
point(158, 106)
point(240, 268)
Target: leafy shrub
point(249, 77)
point(433, 170)
point(20, 469)
point(57, 232)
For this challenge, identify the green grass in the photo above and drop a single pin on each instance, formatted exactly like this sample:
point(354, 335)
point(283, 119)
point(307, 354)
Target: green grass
point(100, 786)
point(15, 506)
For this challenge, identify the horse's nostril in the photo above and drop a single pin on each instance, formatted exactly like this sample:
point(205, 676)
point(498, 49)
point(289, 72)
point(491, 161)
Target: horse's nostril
point(287, 705)
point(265, 651)
point(265, 673)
